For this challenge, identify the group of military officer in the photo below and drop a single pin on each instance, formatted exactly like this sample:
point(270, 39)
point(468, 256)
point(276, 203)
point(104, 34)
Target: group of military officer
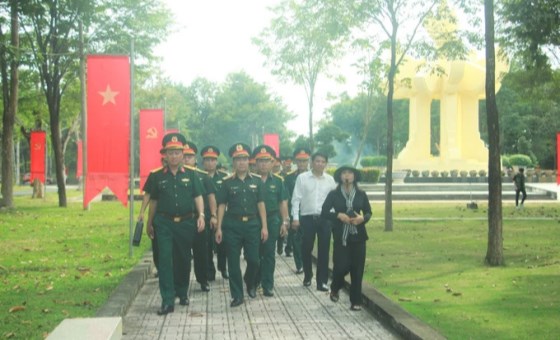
point(196, 211)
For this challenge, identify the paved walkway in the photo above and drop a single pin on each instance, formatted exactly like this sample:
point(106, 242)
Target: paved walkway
point(295, 312)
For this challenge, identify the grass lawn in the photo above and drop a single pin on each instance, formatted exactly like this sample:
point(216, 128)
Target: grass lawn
point(57, 263)
point(436, 271)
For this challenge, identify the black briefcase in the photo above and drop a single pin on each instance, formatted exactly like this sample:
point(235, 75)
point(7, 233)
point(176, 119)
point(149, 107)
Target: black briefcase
point(137, 233)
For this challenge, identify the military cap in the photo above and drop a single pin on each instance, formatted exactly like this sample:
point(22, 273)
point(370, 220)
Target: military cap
point(173, 141)
point(302, 153)
point(264, 152)
point(239, 150)
point(190, 149)
point(210, 151)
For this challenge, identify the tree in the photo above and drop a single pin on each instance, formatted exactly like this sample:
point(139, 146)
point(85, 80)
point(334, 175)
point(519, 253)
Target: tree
point(9, 64)
point(301, 42)
point(52, 32)
point(495, 250)
point(390, 16)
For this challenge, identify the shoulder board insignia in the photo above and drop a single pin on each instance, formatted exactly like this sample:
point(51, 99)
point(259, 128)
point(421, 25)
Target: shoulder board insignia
point(291, 172)
point(156, 169)
point(280, 177)
point(254, 174)
point(228, 177)
point(223, 172)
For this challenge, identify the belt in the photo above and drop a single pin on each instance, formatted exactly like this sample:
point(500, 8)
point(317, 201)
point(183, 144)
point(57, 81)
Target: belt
point(243, 218)
point(314, 217)
point(178, 218)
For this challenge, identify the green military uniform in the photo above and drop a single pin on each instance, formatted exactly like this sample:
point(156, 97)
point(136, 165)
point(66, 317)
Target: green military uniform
point(149, 187)
point(275, 194)
point(290, 183)
point(175, 221)
point(241, 225)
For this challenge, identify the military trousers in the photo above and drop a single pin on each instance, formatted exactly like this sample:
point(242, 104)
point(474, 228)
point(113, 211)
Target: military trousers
point(239, 234)
point(200, 256)
point(174, 243)
point(297, 237)
point(267, 253)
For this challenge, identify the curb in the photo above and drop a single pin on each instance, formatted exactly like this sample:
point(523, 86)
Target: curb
point(122, 297)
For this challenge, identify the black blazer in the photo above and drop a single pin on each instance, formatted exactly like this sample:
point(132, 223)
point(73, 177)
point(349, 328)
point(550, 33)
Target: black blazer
point(335, 200)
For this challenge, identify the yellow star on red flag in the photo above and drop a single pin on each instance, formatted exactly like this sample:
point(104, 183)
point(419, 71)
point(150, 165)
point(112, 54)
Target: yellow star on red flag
point(108, 95)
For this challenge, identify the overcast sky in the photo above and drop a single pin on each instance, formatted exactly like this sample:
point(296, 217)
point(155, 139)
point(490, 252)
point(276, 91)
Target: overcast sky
point(212, 38)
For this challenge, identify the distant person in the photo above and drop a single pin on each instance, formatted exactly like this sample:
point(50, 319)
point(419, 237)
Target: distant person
point(348, 208)
point(519, 182)
point(310, 191)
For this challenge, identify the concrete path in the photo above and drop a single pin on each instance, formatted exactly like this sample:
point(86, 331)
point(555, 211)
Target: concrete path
point(295, 312)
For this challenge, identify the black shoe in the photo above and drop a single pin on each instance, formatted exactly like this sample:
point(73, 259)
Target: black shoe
point(252, 292)
point(323, 287)
point(299, 271)
point(205, 287)
point(268, 293)
point(334, 297)
point(307, 282)
point(288, 254)
point(184, 301)
point(279, 249)
point(212, 277)
point(166, 310)
point(225, 274)
point(236, 302)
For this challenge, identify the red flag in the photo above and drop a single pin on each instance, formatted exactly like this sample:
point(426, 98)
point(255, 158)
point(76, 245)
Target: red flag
point(37, 150)
point(558, 157)
point(151, 133)
point(272, 140)
point(108, 126)
point(79, 160)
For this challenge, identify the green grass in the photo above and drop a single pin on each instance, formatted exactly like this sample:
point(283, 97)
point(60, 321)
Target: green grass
point(58, 263)
point(436, 270)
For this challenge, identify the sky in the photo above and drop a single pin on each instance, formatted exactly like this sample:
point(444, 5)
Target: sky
point(212, 38)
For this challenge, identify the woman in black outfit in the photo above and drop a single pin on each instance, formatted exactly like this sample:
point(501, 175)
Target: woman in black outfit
point(351, 213)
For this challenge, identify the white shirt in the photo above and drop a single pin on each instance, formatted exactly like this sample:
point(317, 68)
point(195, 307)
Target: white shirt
point(310, 193)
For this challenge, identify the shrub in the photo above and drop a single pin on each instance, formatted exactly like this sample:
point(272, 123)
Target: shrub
point(520, 160)
point(505, 161)
point(444, 173)
point(482, 173)
point(415, 173)
point(330, 171)
point(435, 173)
point(373, 161)
point(454, 173)
point(425, 173)
point(370, 175)
point(473, 173)
point(463, 173)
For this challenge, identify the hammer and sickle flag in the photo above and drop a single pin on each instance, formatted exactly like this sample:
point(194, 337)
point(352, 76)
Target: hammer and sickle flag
point(151, 133)
point(108, 126)
point(38, 143)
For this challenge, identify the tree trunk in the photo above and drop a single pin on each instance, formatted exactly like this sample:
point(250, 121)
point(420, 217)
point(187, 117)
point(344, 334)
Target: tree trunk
point(390, 150)
point(56, 141)
point(495, 251)
point(310, 108)
point(10, 98)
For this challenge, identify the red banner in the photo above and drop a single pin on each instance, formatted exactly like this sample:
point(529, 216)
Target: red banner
point(151, 133)
point(272, 140)
point(108, 126)
point(79, 160)
point(37, 146)
point(558, 157)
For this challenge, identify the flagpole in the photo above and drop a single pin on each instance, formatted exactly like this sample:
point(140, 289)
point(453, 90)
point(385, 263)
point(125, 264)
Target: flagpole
point(131, 159)
point(83, 102)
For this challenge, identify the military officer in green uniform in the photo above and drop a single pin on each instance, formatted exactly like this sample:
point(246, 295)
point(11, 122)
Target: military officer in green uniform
point(244, 223)
point(276, 203)
point(177, 192)
point(210, 156)
point(301, 156)
point(200, 244)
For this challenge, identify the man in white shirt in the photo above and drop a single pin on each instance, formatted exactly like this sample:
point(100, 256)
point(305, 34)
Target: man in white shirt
point(310, 192)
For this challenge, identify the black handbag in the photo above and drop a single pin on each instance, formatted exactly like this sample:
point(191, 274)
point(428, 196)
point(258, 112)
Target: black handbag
point(137, 233)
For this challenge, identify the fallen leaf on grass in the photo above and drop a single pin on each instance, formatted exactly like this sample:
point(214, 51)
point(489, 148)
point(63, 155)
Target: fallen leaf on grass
point(9, 335)
point(457, 294)
point(405, 299)
point(45, 310)
point(449, 290)
point(437, 300)
point(16, 309)
point(49, 287)
point(83, 269)
point(108, 274)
